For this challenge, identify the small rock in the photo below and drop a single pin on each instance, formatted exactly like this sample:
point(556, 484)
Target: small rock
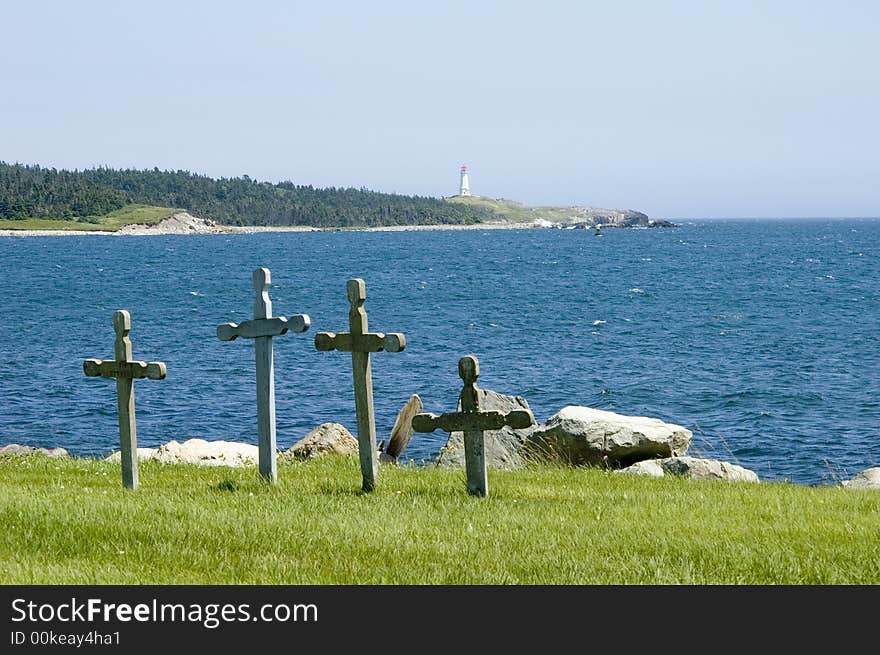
point(17, 449)
point(142, 454)
point(867, 479)
point(327, 438)
point(692, 467)
point(208, 453)
point(199, 451)
point(650, 467)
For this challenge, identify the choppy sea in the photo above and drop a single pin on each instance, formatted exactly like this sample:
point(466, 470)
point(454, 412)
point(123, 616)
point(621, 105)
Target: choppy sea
point(760, 336)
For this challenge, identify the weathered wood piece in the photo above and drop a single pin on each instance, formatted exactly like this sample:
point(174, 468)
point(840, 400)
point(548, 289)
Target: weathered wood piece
point(472, 422)
point(125, 370)
point(402, 432)
point(261, 329)
point(360, 343)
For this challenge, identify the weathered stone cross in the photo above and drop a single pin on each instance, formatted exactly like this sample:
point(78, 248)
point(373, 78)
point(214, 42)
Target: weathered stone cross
point(261, 330)
point(361, 343)
point(472, 422)
point(125, 370)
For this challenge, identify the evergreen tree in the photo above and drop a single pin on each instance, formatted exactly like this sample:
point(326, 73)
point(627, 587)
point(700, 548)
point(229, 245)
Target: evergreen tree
point(31, 191)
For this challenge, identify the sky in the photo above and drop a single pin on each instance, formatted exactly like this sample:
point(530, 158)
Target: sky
point(678, 109)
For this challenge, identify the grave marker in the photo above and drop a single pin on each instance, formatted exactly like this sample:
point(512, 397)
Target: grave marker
point(360, 343)
point(261, 329)
point(472, 422)
point(125, 370)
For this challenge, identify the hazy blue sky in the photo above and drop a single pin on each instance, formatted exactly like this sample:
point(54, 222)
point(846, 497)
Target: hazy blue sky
point(678, 109)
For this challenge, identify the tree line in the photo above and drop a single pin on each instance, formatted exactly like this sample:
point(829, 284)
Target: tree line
point(33, 191)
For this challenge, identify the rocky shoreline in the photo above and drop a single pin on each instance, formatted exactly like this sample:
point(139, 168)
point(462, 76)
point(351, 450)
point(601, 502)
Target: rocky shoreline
point(183, 223)
point(575, 436)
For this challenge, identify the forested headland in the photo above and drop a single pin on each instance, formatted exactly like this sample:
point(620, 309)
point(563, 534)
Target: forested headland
point(33, 191)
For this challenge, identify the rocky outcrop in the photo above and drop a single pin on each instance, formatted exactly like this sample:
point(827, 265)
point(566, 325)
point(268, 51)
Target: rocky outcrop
point(178, 223)
point(18, 449)
point(199, 451)
point(692, 467)
point(584, 217)
point(867, 479)
point(593, 437)
point(504, 448)
point(326, 439)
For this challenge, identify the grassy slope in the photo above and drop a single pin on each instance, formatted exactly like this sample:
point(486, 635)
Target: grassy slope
point(108, 223)
point(69, 521)
point(515, 212)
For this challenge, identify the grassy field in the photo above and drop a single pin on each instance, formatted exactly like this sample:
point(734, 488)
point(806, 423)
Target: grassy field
point(515, 212)
point(108, 223)
point(68, 521)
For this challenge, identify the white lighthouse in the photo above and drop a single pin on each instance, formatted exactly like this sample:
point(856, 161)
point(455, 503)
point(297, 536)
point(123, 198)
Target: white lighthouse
point(465, 188)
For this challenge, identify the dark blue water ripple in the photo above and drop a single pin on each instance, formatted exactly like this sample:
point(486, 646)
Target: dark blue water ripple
point(760, 336)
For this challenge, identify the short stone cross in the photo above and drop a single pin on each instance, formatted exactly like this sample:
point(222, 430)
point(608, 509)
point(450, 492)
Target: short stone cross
point(125, 370)
point(472, 422)
point(360, 343)
point(261, 330)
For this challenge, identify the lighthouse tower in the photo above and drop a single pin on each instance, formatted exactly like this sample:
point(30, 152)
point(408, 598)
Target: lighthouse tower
point(465, 189)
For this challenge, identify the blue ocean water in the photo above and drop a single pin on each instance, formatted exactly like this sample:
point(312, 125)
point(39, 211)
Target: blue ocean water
point(761, 336)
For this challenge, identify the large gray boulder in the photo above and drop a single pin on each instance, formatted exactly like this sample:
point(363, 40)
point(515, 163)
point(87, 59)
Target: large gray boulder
point(583, 436)
point(503, 448)
point(18, 449)
point(867, 479)
point(692, 467)
point(326, 439)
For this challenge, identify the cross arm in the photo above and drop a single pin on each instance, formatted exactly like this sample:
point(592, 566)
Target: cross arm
point(462, 421)
point(370, 342)
point(393, 342)
point(114, 369)
point(263, 327)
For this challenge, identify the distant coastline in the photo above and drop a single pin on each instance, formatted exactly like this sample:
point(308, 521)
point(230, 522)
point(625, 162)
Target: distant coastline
point(40, 201)
point(182, 223)
point(252, 229)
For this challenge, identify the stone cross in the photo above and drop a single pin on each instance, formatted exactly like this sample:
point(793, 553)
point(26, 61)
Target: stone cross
point(360, 343)
point(472, 422)
point(125, 370)
point(261, 330)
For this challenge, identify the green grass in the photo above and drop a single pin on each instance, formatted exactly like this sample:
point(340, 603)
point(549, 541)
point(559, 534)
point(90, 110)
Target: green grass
point(111, 222)
point(70, 522)
point(515, 212)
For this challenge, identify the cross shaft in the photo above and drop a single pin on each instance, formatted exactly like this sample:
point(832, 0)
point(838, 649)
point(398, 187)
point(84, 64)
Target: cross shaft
point(125, 370)
point(360, 343)
point(261, 329)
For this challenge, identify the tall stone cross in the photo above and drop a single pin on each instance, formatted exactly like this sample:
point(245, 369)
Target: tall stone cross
point(261, 330)
point(360, 343)
point(472, 422)
point(125, 370)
